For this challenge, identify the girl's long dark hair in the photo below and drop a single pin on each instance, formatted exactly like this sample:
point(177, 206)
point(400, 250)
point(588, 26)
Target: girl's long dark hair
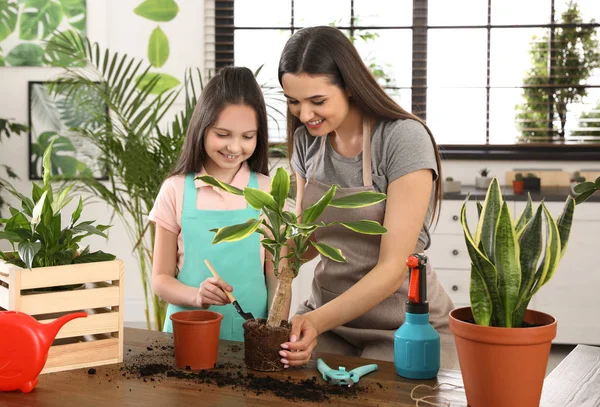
point(327, 51)
point(231, 86)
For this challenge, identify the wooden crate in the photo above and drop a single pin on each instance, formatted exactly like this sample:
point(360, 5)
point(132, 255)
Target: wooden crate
point(83, 342)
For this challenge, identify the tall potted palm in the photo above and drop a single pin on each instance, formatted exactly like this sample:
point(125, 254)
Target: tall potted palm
point(286, 236)
point(503, 347)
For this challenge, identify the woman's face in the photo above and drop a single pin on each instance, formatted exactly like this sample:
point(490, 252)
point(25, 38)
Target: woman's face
point(321, 106)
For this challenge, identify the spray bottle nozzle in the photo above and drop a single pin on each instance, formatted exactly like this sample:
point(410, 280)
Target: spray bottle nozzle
point(417, 292)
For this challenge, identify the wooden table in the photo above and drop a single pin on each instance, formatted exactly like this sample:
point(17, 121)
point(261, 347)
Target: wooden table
point(108, 386)
point(575, 382)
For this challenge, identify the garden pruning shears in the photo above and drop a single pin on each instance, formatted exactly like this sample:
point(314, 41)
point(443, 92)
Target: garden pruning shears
point(340, 376)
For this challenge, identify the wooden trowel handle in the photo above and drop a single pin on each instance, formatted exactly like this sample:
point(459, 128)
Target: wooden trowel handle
point(214, 273)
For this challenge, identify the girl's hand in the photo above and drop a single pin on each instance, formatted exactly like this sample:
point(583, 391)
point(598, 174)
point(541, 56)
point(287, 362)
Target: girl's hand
point(212, 292)
point(298, 352)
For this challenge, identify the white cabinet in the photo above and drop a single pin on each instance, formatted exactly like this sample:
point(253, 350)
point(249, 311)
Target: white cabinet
point(572, 296)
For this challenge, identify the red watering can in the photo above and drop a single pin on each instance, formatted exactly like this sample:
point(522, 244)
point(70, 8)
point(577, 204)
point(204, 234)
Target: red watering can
point(24, 345)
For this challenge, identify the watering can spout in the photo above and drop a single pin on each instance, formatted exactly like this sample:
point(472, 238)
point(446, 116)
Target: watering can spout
point(48, 332)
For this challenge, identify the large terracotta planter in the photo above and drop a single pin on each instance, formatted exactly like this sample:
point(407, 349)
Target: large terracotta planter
point(503, 367)
point(196, 337)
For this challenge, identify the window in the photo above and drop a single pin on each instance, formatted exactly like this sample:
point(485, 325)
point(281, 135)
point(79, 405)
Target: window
point(514, 78)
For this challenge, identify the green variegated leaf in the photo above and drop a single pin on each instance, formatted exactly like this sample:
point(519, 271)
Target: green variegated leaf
point(61, 200)
point(280, 186)
point(39, 19)
point(10, 236)
point(328, 251)
point(27, 251)
point(259, 199)
point(313, 212)
point(367, 227)
point(236, 232)
point(481, 303)
point(479, 209)
point(486, 227)
point(216, 183)
point(584, 196)
point(564, 223)
point(584, 187)
point(88, 228)
point(290, 217)
point(507, 263)
point(525, 215)
point(358, 200)
point(75, 215)
point(531, 243)
point(486, 268)
point(552, 248)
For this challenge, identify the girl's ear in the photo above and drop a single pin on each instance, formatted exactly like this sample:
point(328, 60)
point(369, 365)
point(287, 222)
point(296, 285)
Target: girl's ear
point(348, 93)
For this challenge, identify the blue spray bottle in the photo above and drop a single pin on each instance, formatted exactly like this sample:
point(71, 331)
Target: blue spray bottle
point(416, 342)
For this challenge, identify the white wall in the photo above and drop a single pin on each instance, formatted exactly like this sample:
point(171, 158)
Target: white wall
point(113, 24)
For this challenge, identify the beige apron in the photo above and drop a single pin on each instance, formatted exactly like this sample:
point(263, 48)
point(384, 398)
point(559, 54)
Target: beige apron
point(372, 334)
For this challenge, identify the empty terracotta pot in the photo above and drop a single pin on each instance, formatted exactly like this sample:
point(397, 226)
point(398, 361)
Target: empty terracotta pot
point(503, 367)
point(196, 337)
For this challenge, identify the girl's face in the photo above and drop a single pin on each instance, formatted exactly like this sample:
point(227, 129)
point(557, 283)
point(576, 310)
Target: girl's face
point(320, 106)
point(232, 139)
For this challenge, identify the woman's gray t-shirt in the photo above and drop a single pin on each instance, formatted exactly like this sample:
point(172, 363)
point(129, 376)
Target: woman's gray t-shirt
point(398, 147)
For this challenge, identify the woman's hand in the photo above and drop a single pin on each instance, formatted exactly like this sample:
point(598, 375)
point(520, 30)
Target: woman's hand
point(298, 352)
point(212, 292)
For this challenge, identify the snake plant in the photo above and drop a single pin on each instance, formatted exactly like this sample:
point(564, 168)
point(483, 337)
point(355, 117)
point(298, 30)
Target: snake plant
point(283, 229)
point(512, 259)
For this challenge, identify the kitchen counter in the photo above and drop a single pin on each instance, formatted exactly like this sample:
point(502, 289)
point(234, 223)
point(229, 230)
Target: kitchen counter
point(550, 194)
point(147, 377)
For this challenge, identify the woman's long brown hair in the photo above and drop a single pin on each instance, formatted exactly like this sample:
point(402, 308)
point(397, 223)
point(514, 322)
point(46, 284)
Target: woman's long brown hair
point(231, 86)
point(327, 51)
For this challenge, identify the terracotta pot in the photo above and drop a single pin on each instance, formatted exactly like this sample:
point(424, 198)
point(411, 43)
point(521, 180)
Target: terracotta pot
point(262, 344)
point(518, 187)
point(503, 367)
point(196, 337)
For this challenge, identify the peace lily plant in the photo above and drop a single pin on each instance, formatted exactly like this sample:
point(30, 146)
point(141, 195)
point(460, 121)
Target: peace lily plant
point(283, 229)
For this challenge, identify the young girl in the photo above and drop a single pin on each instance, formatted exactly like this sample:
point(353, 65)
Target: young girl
point(345, 130)
point(227, 138)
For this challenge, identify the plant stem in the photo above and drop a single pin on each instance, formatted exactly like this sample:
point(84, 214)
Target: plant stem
point(281, 298)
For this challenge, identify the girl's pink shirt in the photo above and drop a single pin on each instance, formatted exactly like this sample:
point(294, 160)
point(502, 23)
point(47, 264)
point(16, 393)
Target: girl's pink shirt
point(169, 203)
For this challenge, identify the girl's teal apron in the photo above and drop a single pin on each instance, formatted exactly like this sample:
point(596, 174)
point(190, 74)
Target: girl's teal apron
point(238, 263)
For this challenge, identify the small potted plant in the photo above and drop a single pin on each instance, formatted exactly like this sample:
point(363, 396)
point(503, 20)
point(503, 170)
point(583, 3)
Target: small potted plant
point(284, 229)
point(47, 274)
point(483, 180)
point(503, 347)
point(518, 183)
point(449, 186)
point(532, 183)
point(575, 180)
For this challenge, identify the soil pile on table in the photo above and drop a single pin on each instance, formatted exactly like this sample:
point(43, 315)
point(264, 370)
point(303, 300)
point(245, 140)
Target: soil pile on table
point(158, 363)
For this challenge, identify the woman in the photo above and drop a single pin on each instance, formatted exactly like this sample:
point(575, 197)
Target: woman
point(344, 129)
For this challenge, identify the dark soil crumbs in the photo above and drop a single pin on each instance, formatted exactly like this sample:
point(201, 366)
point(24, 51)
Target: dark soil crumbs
point(158, 364)
point(92, 371)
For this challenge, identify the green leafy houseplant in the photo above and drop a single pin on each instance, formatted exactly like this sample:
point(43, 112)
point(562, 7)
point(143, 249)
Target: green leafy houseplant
point(283, 229)
point(138, 147)
point(586, 189)
point(512, 259)
point(36, 234)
